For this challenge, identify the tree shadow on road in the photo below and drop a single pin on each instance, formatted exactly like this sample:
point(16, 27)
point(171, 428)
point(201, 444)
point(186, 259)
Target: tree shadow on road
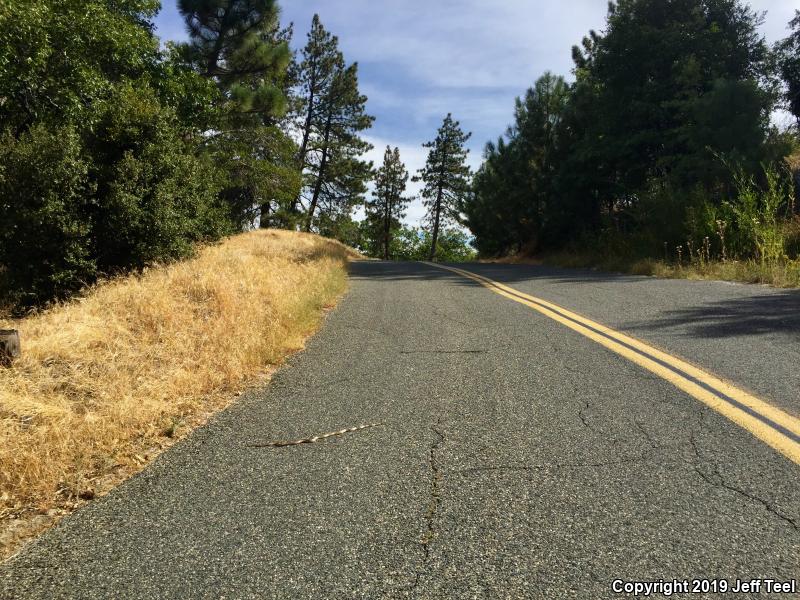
point(397, 270)
point(747, 316)
point(758, 314)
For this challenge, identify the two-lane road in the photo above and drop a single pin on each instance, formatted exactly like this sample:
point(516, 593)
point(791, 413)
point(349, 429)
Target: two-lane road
point(543, 433)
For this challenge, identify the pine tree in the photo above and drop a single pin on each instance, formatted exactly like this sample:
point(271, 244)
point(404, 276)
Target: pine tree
point(514, 205)
point(789, 64)
point(240, 45)
point(321, 61)
point(331, 113)
point(446, 177)
point(234, 42)
point(388, 204)
point(336, 176)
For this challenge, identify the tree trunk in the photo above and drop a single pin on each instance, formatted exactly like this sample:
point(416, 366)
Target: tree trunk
point(213, 59)
point(263, 222)
point(439, 192)
point(309, 116)
point(387, 225)
point(386, 228)
point(317, 189)
point(301, 156)
point(435, 234)
point(323, 163)
point(9, 346)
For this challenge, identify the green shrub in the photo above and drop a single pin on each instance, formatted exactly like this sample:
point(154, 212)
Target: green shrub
point(125, 193)
point(414, 244)
point(751, 223)
point(45, 194)
point(154, 196)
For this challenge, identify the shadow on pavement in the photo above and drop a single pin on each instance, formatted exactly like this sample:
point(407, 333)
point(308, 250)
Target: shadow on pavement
point(750, 315)
point(758, 314)
point(377, 269)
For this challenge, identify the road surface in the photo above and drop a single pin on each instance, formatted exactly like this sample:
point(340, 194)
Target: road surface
point(516, 456)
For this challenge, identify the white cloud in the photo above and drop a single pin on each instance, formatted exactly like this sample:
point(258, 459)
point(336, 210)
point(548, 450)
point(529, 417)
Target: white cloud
point(458, 43)
point(779, 13)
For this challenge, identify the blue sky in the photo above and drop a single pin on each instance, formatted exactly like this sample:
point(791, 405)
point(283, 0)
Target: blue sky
point(420, 59)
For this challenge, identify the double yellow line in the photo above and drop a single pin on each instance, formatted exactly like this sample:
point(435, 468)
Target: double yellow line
point(768, 423)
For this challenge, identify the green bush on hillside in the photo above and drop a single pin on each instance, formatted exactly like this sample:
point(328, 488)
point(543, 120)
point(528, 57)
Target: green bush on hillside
point(99, 165)
point(44, 206)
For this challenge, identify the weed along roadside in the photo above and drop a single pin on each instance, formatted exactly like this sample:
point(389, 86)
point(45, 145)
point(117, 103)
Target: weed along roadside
point(752, 238)
point(110, 379)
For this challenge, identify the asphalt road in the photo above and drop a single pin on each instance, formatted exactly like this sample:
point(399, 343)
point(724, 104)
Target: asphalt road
point(517, 458)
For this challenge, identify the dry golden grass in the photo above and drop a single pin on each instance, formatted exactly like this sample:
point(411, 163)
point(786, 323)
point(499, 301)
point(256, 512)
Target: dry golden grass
point(783, 274)
point(108, 380)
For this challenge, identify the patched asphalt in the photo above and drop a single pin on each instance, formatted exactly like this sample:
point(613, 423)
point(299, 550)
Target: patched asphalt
point(517, 459)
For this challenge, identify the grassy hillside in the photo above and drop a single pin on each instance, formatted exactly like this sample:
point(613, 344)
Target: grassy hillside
point(109, 380)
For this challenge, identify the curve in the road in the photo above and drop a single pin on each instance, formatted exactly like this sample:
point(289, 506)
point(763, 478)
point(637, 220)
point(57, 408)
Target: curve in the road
point(773, 426)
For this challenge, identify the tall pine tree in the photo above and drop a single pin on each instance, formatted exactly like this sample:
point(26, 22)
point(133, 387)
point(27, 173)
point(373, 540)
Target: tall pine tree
point(239, 45)
point(789, 64)
point(446, 178)
point(515, 204)
point(234, 43)
point(335, 175)
point(313, 76)
point(388, 203)
point(321, 59)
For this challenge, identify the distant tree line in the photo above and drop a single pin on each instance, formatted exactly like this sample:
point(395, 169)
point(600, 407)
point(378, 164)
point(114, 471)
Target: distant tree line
point(664, 137)
point(116, 152)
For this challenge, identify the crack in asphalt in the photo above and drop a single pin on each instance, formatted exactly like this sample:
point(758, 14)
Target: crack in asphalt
point(716, 479)
point(443, 351)
point(644, 457)
point(447, 317)
point(435, 497)
point(433, 503)
point(653, 444)
point(582, 417)
point(533, 468)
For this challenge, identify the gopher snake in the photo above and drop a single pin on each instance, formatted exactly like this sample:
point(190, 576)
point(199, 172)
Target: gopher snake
point(316, 438)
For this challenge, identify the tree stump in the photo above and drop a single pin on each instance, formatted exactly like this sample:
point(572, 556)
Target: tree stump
point(9, 346)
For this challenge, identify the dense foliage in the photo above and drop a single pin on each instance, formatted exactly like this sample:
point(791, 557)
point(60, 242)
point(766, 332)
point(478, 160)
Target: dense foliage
point(239, 46)
point(665, 131)
point(788, 51)
point(412, 243)
point(98, 169)
point(117, 153)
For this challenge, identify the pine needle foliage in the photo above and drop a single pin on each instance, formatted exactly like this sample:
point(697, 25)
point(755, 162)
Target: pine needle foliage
point(387, 206)
point(445, 177)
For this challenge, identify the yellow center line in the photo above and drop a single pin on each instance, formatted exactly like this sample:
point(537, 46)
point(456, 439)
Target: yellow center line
point(770, 424)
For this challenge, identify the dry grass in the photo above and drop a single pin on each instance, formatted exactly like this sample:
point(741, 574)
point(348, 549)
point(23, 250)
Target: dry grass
point(783, 274)
point(108, 380)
